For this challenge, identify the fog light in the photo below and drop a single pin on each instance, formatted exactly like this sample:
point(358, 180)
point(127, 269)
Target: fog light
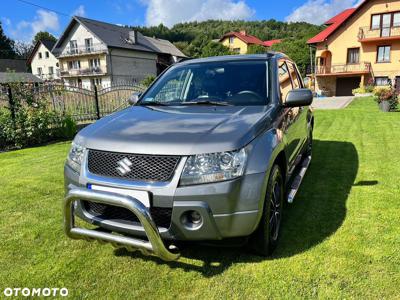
point(194, 217)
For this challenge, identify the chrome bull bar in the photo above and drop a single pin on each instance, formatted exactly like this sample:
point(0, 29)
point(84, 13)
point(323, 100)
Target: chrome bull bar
point(154, 246)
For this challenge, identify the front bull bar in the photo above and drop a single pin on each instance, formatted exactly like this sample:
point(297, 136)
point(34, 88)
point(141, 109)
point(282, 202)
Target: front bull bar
point(154, 246)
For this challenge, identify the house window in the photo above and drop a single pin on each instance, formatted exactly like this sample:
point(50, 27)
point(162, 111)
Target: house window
point(74, 64)
point(40, 55)
point(383, 54)
point(96, 81)
point(94, 63)
point(73, 46)
point(39, 71)
point(47, 54)
point(236, 50)
point(51, 70)
point(231, 40)
point(379, 81)
point(376, 22)
point(89, 44)
point(396, 19)
point(353, 55)
point(384, 22)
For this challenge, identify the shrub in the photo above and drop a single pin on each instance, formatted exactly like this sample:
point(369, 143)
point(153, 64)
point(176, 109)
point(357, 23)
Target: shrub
point(67, 128)
point(369, 88)
point(34, 122)
point(387, 94)
point(148, 80)
point(383, 93)
point(359, 90)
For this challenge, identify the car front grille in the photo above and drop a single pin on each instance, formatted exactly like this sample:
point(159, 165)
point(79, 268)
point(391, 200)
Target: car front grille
point(140, 167)
point(161, 215)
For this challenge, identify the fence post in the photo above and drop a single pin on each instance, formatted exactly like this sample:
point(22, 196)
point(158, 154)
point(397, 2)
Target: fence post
point(96, 99)
point(12, 105)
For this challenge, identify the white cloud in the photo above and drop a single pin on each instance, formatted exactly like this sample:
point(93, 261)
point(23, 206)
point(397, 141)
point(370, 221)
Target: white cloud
point(80, 11)
point(176, 11)
point(123, 7)
point(6, 21)
point(43, 21)
point(319, 11)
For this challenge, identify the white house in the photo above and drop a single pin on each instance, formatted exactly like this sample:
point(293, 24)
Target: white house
point(92, 53)
point(43, 62)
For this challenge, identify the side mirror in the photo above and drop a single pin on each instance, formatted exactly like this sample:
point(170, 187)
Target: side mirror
point(134, 98)
point(299, 97)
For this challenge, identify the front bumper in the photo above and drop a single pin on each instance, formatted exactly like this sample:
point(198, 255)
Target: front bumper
point(228, 209)
point(154, 245)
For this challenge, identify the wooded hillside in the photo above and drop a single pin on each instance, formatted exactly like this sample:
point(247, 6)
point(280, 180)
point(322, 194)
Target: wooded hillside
point(195, 38)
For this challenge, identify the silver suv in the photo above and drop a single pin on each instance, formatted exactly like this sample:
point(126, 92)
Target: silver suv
point(210, 151)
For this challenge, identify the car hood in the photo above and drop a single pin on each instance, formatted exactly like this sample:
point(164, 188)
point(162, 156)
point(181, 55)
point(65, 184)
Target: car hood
point(174, 130)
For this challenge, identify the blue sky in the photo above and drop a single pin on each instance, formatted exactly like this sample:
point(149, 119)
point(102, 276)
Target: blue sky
point(21, 20)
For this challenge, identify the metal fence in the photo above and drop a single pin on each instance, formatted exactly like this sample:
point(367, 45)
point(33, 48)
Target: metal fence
point(81, 104)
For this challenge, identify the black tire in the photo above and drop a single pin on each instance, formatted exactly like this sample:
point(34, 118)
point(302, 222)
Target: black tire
point(266, 237)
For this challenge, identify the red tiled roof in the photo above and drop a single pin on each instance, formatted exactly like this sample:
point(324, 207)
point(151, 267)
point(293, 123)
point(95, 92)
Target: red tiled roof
point(271, 42)
point(339, 18)
point(334, 24)
point(248, 39)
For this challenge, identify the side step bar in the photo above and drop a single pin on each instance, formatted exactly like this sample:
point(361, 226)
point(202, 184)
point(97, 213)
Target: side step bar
point(154, 246)
point(298, 179)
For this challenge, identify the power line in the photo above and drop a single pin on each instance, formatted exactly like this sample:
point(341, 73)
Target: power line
point(45, 8)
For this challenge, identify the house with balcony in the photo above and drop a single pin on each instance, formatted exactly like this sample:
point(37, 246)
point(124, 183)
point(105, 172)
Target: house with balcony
point(238, 42)
point(94, 53)
point(42, 61)
point(358, 46)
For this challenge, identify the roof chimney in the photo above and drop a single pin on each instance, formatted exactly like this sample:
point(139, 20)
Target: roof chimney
point(133, 36)
point(243, 32)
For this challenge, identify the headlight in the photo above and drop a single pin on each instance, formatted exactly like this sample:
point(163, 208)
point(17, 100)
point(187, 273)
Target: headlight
point(75, 157)
point(212, 167)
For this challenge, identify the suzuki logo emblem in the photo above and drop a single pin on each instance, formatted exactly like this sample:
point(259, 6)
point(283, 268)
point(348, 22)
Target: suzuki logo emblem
point(124, 166)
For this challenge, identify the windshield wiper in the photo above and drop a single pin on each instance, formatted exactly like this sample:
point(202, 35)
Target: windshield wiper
point(206, 102)
point(151, 103)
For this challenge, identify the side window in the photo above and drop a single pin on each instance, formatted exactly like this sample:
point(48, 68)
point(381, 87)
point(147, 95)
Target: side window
point(285, 83)
point(294, 75)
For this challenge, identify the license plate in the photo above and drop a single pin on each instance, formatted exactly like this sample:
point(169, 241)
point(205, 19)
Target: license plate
point(142, 196)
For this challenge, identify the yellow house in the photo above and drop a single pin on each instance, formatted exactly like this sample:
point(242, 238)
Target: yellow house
point(359, 45)
point(238, 42)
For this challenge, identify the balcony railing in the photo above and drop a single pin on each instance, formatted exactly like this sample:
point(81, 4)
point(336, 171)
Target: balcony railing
point(48, 76)
point(366, 33)
point(84, 50)
point(362, 67)
point(84, 72)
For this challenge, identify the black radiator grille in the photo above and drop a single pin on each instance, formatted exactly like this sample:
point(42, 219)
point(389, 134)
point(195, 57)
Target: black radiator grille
point(140, 167)
point(161, 215)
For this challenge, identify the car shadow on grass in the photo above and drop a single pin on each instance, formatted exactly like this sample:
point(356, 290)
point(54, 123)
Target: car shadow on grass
point(318, 211)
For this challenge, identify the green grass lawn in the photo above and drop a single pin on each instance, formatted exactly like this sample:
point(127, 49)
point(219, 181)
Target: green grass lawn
point(340, 238)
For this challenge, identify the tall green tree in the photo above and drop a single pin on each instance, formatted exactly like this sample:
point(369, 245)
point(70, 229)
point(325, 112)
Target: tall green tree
point(43, 35)
point(193, 38)
point(6, 45)
point(214, 49)
point(297, 50)
point(256, 49)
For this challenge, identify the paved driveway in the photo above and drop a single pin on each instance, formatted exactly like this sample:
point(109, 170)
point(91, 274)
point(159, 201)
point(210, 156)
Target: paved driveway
point(332, 102)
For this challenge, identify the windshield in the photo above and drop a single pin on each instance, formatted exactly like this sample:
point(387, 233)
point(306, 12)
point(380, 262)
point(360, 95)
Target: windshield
point(215, 83)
